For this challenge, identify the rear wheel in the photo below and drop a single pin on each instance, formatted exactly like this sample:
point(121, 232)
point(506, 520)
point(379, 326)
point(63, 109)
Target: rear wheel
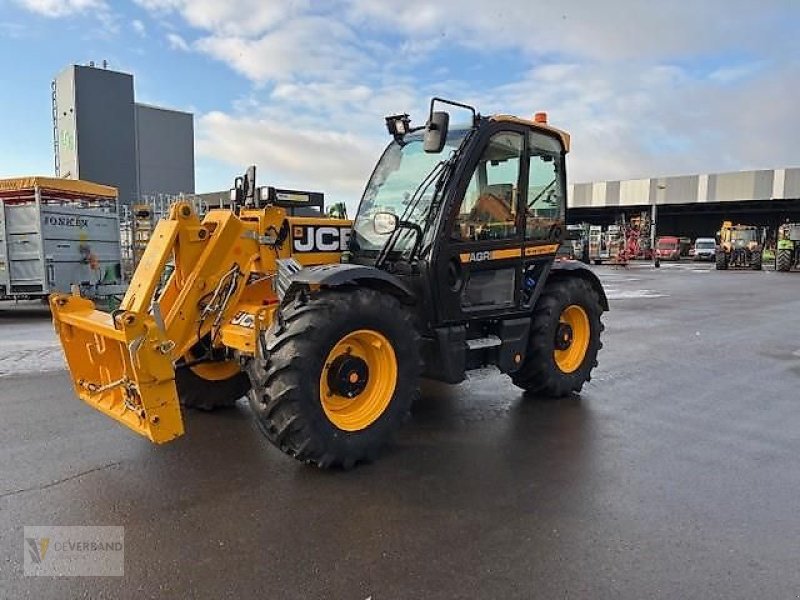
point(721, 260)
point(783, 260)
point(342, 372)
point(564, 339)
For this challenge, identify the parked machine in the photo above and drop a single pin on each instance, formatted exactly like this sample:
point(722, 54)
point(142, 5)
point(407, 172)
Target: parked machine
point(787, 253)
point(578, 239)
point(704, 249)
point(449, 266)
point(598, 245)
point(56, 234)
point(739, 247)
point(638, 235)
point(685, 244)
point(668, 247)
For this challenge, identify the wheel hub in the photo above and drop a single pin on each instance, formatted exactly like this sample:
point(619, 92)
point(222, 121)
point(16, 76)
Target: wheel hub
point(348, 376)
point(564, 336)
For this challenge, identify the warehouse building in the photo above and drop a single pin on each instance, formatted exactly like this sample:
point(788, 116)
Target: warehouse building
point(101, 134)
point(693, 205)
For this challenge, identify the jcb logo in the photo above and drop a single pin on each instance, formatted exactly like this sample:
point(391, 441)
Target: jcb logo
point(243, 319)
point(320, 238)
point(480, 256)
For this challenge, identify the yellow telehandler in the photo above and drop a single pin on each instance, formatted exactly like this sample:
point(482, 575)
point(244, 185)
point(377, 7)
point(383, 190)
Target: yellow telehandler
point(326, 324)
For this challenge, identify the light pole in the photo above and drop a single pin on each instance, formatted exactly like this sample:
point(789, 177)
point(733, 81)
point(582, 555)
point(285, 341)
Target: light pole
point(653, 216)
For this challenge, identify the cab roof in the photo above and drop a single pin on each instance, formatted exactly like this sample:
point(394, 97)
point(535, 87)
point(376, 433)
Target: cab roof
point(543, 127)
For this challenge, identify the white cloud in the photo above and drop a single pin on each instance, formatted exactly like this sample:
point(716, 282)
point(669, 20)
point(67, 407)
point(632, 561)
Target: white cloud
point(307, 47)
point(289, 155)
point(609, 30)
point(139, 28)
point(61, 8)
point(176, 42)
point(229, 17)
point(645, 88)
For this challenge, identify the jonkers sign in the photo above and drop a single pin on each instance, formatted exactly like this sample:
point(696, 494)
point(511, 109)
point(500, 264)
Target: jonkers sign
point(66, 221)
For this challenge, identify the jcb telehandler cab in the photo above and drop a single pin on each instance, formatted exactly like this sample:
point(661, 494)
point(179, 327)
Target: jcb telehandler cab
point(448, 267)
point(739, 247)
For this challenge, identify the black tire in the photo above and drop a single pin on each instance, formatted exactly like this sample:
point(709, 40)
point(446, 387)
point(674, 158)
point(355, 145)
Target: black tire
point(286, 395)
point(598, 262)
point(721, 260)
point(783, 260)
point(585, 254)
point(540, 375)
point(756, 259)
point(205, 394)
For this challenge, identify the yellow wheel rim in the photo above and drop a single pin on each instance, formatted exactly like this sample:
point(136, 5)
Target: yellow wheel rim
point(572, 338)
point(358, 380)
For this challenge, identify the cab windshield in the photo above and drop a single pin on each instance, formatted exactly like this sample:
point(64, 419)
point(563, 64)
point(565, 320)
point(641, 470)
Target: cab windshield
point(704, 245)
point(743, 235)
point(403, 183)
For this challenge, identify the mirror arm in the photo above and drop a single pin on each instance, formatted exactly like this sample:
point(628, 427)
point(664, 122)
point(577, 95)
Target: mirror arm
point(435, 99)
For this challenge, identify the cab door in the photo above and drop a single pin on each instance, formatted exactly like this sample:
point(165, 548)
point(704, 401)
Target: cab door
point(506, 224)
point(478, 267)
point(544, 209)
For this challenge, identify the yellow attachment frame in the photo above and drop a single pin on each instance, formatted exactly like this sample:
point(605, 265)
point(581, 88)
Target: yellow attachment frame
point(123, 364)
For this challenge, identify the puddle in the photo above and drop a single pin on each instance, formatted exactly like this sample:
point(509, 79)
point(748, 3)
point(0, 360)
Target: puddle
point(633, 294)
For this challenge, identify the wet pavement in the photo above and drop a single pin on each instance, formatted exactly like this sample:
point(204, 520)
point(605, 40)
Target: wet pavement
point(674, 475)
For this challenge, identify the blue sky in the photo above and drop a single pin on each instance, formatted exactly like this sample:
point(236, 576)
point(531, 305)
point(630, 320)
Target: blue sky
point(300, 87)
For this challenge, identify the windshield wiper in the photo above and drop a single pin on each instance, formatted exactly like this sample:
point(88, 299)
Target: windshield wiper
point(542, 193)
point(403, 224)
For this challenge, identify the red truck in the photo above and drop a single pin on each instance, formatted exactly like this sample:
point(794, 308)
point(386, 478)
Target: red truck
point(668, 247)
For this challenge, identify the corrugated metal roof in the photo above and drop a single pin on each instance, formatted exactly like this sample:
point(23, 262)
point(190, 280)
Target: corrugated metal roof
point(73, 186)
point(769, 184)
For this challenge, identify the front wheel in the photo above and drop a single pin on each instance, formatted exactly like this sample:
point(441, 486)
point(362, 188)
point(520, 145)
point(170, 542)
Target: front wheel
point(210, 385)
point(564, 339)
point(783, 260)
point(342, 372)
point(721, 260)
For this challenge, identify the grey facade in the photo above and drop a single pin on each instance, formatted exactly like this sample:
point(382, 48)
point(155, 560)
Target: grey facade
point(165, 150)
point(95, 129)
point(741, 186)
point(102, 135)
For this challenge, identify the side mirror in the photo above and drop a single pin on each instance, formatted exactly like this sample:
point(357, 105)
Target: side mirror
point(237, 192)
point(384, 223)
point(436, 132)
point(250, 186)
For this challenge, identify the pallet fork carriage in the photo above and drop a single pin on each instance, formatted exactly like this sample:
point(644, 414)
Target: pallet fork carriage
point(328, 324)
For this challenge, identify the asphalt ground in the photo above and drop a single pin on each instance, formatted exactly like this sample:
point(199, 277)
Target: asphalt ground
point(674, 475)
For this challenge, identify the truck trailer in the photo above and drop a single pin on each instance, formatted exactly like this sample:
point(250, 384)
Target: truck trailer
point(56, 234)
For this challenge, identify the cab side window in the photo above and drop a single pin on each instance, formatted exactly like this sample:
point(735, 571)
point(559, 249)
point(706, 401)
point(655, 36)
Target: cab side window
point(488, 210)
point(546, 195)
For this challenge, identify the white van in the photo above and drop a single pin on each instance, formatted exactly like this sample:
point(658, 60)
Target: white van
point(705, 249)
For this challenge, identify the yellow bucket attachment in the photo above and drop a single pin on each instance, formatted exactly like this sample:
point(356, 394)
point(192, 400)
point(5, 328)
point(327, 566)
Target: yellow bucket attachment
point(121, 365)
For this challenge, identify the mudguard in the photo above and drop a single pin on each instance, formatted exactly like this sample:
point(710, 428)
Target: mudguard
point(574, 268)
point(339, 274)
